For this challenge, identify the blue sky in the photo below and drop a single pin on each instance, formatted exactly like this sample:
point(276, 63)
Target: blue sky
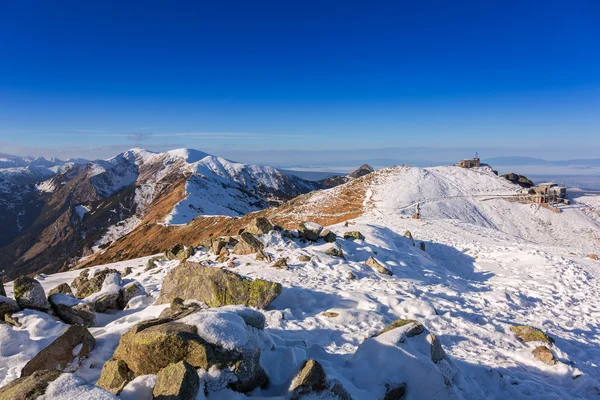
point(300, 81)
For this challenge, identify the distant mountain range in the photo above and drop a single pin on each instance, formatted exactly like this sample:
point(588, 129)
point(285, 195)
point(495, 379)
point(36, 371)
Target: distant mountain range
point(508, 160)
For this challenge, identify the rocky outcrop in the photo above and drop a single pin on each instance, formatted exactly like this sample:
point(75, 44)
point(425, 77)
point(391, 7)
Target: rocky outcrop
point(29, 387)
point(75, 342)
point(527, 334)
point(216, 287)
point(373, 263)
point(29, 293)
point(259, 226)
point(247, 244)
point(63, 288)
point(175, 348)
point(177, 381)
point(520, 180)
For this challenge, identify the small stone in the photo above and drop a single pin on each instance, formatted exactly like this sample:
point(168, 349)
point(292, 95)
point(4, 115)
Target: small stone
point(409, 236)
point(354, 235)
point(371, 262)
point(247, 244)
point(593, 256)
point(414, 331)
point(330, 314)
point(230, 264)
point(127, 271)
point(304, 258)
point(351, 276)
point(177, 381)
point(328, 236)
point(422, 246)
point(281, 263)
point(544, 354)
point(335, 252)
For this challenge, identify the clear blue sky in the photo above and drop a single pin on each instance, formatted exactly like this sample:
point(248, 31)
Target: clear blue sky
point(245, 77)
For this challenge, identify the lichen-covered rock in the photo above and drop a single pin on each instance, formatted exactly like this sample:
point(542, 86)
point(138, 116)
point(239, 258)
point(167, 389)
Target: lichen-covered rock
point(216, 287)
point(179, 252)
point(62, 351)
point(85, 286)
point(544, 354)
point(179, 309)
point(304, 258)
point(152, 263)
point(259, 226)
point(530, 334)
point(354, 235)
point(310, 231)
point(281, 263)
point(115, 375)
point(71, 310)
point(335, 252)
point(63, 288)
point(7, 307)
point(177, 381)
point(29, 293)
point(29, 387)
point(128, 292)
point(108, 301)
point(373, 263)
point(593, 256)
point(217, 245)
point(311, 378)
point(247, 244)
point(416, 328)
point(330, 314)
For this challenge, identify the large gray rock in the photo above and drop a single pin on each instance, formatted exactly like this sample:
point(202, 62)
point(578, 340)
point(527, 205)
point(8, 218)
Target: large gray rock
point(29, 293)
point(216, 287)
point(71, 310)
point(259, 226)
point(177, 381)
point(7, 307)
point(62, 351)
point(310, 231)
point(247, 244)
point(29, 387)
point(115, 375)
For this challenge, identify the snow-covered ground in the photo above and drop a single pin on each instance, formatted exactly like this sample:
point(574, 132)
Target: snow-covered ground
point(488, 264)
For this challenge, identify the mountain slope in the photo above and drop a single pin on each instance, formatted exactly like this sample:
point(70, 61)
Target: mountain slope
point(79, 208)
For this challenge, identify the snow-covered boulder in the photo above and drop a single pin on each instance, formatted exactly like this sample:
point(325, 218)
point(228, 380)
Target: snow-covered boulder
point(216, 287)
point(85, 285)
point(404, 354)
point(71, 310)
point(64, 353)
point(310, 231)
point(128, 292)
point(29, 293)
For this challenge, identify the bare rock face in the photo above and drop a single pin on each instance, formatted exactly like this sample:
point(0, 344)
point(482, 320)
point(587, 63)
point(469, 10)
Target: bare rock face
point(259, 226)
point(63, 288)
point(544, 354)
point(373, 263)
point(247, 244)
point(177, 381)
point(29, 387)
point(29, 293)
point(60, 353)
point(216, 287)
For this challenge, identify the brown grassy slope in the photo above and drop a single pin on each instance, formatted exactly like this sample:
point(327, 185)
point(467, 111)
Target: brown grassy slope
point(325, 207)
